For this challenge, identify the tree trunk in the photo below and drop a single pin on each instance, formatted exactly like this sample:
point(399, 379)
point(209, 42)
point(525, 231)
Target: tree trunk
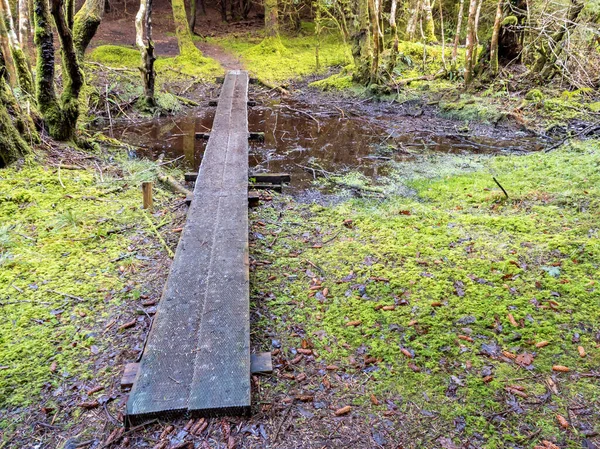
point(22, 70)
point(193, 11)
point(271, 18)
point(413, 18)
point(61, 118)
point(394, 30)
point(143, 28)
point(12, 144)
point(374, 22)
point(494, 40)
point(429, 23)
point(361, 44)
point(461, 12)
point(187, 48)
point(545, 63)
point(470, 42)
point(86, 23)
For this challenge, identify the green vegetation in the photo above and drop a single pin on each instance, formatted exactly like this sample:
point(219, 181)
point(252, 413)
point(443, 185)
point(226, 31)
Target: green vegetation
point(69, 242)
point(465, 274)
point(166, 68)
point(284, 58)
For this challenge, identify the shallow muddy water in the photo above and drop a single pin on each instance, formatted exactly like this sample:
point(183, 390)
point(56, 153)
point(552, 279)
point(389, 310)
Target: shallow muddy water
point(307, 140)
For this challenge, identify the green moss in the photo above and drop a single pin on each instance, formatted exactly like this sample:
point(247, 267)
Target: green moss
point(469, 108)
point(167, 68)
point(338, 82)
point(534, 95)
point(116, 56)
point(286, 57)
point(67, 233)
point(455, 258)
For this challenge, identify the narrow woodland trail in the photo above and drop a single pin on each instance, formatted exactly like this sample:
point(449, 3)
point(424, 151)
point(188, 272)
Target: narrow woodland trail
point(119, 29)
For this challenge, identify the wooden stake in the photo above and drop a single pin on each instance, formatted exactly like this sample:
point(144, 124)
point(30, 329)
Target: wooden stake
point(147, 194)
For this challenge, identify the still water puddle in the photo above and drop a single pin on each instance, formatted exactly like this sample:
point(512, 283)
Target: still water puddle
point(303, 142)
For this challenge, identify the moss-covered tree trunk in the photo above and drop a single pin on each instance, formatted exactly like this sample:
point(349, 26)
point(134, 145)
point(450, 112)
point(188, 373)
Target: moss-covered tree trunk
point(471, 39)
point(429, 23)
point(185, 41)
point(21, 65)
point(362, 52)
point(143, 27)
point(494, 39)
point(12, 145)
point(394, 31)
point(86, 23)
point(271, 18)
point(414, 11)
point(60, 117)
point(375, 34)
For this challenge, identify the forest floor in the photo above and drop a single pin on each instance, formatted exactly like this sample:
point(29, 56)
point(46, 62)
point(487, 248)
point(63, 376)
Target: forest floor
point(443, 312)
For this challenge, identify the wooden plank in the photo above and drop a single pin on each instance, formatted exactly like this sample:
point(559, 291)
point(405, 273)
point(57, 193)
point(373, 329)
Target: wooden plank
point(202, 136)
point(147, 195)
point(261, 363)
point(131, 370)
point(256, 136)
point(197, 357)
point(274, 178)
point(266, 186)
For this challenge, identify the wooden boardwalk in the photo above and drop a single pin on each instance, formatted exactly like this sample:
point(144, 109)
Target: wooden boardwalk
point(197, 357)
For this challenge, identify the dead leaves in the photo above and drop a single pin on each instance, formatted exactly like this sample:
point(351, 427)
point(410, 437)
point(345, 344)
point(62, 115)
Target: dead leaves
point(524, 359)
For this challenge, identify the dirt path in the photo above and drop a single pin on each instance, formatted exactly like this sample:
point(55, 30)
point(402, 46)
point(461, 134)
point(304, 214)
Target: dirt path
point(118, 28)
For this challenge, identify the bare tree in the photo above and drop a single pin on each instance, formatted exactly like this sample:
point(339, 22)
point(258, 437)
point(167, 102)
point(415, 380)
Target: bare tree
point(461, 10)
point(143, 39)
point(471, 39)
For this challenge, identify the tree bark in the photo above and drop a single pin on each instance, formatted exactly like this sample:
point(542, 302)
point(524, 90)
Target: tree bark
point(494, 40)
point(271, 18)
point(60, 117)
point(86, 23)
point(374, 28)
point(413, 18)
point(394, 30)
point(143, 28)
point(429, 23)
point(461, 11)
point(471, 38)
point(185, 41)
point(361, 44)
point(21, 65)
point(12, 145)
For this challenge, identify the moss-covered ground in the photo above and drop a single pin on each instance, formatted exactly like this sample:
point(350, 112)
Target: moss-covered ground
point(72, 244)
point(476, 312)
point(288, 57)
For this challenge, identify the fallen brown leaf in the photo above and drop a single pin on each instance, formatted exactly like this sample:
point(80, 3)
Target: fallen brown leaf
point(343, 411)
point(563, 422)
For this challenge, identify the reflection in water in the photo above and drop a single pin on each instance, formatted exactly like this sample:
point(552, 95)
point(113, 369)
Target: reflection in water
point(298, 139)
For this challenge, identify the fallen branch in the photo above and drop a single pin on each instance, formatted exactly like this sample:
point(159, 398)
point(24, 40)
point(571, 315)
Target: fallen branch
point(158, 236)
point(500, 185)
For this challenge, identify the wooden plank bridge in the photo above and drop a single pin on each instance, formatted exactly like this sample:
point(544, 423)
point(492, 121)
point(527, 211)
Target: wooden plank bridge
point(197, 356)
